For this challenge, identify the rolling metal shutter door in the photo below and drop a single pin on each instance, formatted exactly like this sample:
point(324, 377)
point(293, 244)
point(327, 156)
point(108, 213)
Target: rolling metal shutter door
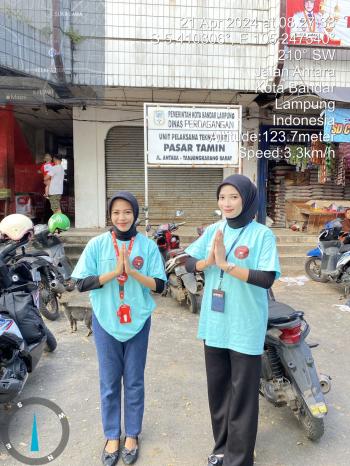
point(190, 189)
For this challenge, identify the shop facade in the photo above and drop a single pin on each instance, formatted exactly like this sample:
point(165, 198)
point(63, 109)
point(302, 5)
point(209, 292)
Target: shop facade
point(305, 178)
point(110, 156)
point(109, 58)
point(26, 136)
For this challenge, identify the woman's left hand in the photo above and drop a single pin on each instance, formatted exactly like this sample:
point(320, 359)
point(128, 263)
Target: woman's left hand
point(220, 251)
point(127, 267)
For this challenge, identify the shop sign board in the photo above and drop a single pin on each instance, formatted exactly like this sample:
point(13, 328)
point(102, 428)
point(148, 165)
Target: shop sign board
point(199, 135)
point(337, 125)
point(318, 23)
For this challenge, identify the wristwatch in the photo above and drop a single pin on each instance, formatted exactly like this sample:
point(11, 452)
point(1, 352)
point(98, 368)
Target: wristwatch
point(230, 267)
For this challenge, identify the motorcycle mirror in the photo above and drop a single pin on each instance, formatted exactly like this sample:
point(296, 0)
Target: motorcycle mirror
point(40, 228)
point(179, 213)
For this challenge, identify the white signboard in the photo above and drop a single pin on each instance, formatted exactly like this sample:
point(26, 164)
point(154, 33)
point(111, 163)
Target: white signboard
point(192, 135)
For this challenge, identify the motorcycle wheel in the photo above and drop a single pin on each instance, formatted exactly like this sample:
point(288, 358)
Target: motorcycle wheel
point(193, 302)
point(49, 307)
point(51, 342)
point(313, 270)
point(314, 427)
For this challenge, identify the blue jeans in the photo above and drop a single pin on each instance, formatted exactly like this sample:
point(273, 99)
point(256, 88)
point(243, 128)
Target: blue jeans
point(121, 360)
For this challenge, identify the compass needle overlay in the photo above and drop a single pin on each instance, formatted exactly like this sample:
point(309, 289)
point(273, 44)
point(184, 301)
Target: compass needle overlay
point(35, 438)
point(26, 418)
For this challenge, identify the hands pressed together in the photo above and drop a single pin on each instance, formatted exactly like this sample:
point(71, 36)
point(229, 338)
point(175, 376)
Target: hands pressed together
point(217, 255)
point(123, 262)
point(123, 265)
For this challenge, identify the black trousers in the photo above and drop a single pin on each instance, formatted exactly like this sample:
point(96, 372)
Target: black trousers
point(233, 392)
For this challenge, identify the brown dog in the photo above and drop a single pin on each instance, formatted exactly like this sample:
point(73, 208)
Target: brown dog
point(75, 312)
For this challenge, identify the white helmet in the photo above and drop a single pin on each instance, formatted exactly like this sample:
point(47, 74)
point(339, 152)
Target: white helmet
point(15, 226)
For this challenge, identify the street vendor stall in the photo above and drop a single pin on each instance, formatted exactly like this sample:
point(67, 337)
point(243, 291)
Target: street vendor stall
point(311, 216)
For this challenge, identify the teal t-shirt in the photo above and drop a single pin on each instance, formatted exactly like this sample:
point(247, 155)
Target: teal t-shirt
point(99, 257)
point(242, 325)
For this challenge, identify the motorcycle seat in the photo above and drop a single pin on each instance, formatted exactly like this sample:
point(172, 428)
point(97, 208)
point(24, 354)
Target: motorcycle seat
point(34, 253)
point(280, 313)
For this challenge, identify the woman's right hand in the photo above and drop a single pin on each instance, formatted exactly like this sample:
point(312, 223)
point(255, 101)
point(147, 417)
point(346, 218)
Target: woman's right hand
point(210, 260)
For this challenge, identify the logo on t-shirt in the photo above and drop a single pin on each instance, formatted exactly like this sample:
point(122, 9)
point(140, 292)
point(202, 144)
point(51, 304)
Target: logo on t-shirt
point(138, 262)
point(242, 252)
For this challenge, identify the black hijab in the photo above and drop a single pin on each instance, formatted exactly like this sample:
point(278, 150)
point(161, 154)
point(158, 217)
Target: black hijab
point(125, 235)
point(249, 195)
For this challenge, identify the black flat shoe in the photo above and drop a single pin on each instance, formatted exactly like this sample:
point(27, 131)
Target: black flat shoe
point(215, 460)
point(110, 459)
point(130, 456)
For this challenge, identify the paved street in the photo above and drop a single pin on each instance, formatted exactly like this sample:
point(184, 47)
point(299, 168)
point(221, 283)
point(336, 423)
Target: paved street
point(176, 424)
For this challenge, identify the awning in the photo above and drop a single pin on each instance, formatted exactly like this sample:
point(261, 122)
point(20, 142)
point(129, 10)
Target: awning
point(340, 94)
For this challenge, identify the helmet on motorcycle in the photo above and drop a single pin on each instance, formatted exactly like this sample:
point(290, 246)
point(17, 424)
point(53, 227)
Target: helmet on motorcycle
point(58, 221)
point(15, 226)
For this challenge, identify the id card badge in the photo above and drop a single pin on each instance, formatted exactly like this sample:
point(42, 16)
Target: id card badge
point(124, 314)
point(218, 301)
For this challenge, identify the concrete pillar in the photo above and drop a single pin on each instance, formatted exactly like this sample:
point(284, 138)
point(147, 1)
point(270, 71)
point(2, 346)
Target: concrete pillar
point(89, 169)
point(250, 125)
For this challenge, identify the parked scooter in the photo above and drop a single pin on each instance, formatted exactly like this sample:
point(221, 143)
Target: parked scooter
point(289, 375)
point(183, 286)
point(23, 333)
point(330, 261)
point(45, 251)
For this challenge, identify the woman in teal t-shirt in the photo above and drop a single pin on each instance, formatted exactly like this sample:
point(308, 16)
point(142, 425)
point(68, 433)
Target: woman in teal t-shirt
point(240, 262)
point(120, 268)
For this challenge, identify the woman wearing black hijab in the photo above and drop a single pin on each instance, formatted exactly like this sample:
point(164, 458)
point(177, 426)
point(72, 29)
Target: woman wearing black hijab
point(240, 262)
point(120, 267)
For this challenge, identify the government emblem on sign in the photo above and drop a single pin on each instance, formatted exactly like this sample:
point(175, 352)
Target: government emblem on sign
point(159, 117)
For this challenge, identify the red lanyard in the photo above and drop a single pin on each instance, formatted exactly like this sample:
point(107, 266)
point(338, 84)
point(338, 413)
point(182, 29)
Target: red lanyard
point(122, 278)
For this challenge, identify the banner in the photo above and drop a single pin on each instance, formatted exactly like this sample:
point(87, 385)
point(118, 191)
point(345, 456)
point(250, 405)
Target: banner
point(337, 125)
point(319, 22)
point(192, 135)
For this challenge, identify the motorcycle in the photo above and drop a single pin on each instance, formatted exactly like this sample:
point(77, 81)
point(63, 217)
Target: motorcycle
point(23, 333)
point(165, 238)
point(186, 286)
point(330, 261)
point(288, 375)
point(45, 252)
point(183, 286)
